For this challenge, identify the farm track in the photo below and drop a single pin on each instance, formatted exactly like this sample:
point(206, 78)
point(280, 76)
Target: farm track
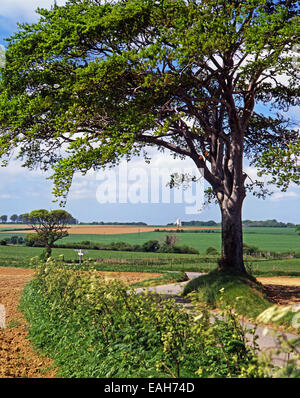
point(17, 357)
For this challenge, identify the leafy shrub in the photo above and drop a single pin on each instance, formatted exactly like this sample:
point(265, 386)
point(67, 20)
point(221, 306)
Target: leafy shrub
point(97, 328)
point(211, 251)
point(13, 240)
point(250, 250)
point(151, 246)
point(31, 240)
point(178, 249)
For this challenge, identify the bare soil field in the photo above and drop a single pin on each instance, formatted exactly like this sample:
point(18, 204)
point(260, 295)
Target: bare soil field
point(105, 229)
point(282, 290)
point(279, 280)
point(17, 357)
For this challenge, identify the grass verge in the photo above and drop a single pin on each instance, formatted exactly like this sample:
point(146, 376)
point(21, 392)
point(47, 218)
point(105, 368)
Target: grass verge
point(242, 293)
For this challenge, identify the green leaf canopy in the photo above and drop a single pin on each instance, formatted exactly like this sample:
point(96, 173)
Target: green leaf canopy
point(91, 83)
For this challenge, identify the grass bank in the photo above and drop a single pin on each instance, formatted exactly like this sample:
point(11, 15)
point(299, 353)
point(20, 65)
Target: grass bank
point(244, 294)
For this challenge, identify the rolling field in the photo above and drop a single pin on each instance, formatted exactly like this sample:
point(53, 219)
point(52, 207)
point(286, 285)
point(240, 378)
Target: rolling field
point(280, 240)
point(265, 238)
point(271, 239)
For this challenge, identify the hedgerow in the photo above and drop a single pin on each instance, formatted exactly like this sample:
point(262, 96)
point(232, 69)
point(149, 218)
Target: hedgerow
point(97, 328)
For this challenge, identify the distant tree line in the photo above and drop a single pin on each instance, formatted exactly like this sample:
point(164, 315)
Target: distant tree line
point(23, 219)
point(268, 223)
point(246, 223)
point(112, 223)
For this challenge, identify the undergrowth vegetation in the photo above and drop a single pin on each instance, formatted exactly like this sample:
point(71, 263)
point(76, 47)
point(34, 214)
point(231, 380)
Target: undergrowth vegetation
point(97, 328)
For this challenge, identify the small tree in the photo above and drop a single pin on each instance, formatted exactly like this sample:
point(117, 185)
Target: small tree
point(14, 218)
point(49, 226)
point(23, 218)
point(170, 240)
point(3, 218)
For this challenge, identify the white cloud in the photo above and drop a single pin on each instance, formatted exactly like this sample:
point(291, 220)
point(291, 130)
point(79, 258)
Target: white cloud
point(277, 193)
point(125, 178)
point(7, 196)
point(14, 169)
point(82, 189)
point(14, 9)
point(252, 176)
point(277, 196)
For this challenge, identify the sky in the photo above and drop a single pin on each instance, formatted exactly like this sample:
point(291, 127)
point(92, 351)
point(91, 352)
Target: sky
point(134, 191)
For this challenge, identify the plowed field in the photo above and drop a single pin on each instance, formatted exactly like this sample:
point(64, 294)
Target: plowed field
point(17, 357)
point(105, 229)
point(282, 290)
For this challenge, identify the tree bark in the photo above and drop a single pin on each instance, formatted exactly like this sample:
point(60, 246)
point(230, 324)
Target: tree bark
point(232, 238)
point(48, 250)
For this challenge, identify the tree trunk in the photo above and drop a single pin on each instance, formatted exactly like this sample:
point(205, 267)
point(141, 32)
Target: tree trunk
point(232, 238)
point(48, 250)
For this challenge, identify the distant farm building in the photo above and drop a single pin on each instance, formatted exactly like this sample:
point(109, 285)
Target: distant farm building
point(178, 223)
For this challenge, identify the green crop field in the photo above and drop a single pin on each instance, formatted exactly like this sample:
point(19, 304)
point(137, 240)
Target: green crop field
point(265, 238)
point(270, 239)
point(279, 240)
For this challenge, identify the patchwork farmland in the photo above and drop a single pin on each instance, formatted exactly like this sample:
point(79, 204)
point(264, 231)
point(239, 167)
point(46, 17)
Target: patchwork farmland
point(282, 246)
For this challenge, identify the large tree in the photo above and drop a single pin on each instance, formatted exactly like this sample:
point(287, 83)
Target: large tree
point(93, 82)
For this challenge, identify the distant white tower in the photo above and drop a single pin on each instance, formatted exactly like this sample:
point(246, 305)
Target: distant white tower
point(178, 222)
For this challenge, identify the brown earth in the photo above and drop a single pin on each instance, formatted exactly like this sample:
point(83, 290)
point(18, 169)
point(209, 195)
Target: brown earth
point(105, 229)
point(18, 359)
point(282, 290)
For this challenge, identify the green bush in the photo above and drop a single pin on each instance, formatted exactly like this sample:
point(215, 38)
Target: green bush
point(94, 328)
point(151, 246)
point(250, 250)
point(211, 251)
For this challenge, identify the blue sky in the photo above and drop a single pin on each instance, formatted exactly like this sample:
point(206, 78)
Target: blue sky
point(22, 190)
